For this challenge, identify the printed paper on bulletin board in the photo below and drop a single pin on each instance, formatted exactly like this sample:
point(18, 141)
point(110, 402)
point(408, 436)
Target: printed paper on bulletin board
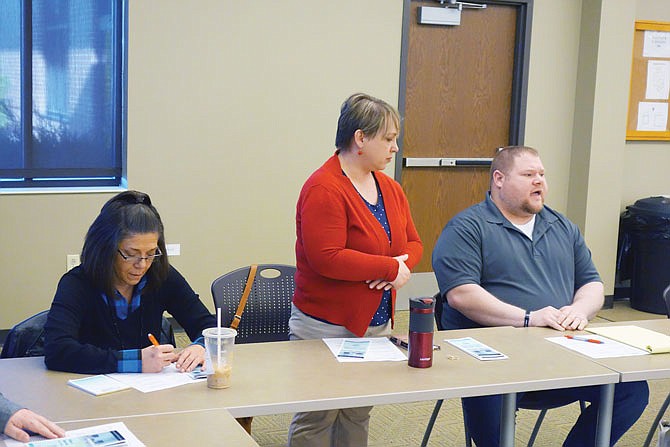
point(648, 103)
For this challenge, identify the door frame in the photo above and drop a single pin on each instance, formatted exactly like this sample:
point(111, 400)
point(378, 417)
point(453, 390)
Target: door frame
point(519, 78)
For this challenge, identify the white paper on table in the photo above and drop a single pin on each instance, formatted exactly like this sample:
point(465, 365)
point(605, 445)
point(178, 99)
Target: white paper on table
point(170, 377)
point(354, 347)
point(98, 385)
point(380, 349)
point(658, 79)
point(652, 116)
point(608, 348)
point(477, 349)
point(656, 44)
point(131, 439)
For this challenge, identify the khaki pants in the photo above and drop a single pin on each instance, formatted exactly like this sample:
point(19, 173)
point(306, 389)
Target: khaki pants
point(347, 427)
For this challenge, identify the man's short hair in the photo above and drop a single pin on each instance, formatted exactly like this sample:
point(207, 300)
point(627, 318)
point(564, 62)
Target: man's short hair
point(504, 159)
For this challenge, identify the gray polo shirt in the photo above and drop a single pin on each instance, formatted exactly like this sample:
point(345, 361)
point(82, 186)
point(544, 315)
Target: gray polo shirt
point(480, 246)
point(7, 409)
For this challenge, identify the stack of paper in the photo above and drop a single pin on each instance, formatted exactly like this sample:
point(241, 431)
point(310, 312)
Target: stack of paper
point(98, 385)
point(651, 341)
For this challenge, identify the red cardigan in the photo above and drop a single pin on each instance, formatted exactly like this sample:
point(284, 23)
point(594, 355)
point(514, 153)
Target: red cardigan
point(340, 245)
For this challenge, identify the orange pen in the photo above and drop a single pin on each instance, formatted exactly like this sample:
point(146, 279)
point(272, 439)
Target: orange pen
point(580, 338)
point(152, 339)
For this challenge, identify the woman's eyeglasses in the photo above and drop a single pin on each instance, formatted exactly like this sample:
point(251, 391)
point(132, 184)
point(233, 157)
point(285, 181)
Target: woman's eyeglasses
point(137, 259)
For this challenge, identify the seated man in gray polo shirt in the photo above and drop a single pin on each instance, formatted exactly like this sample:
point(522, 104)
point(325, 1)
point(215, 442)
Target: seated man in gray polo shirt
point(511, 261)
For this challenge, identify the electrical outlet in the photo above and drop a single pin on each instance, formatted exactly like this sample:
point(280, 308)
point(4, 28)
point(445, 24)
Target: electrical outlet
point(173, 249)
point(72, 261)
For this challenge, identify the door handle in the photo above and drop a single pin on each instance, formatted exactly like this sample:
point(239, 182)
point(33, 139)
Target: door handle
point(426, 162)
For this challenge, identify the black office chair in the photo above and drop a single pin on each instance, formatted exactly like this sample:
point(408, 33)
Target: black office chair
point(528, 403)
point(166, 337)
point(661, 411)
point(268, 307)
point(26, 339)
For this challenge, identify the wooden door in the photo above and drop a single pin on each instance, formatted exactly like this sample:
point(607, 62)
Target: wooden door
point(460, 99)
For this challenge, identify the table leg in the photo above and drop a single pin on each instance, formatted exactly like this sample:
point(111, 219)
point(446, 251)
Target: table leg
point(507, 419)
point(604, 425)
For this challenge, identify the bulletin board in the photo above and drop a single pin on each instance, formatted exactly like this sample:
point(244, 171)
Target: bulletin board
point(649, 100)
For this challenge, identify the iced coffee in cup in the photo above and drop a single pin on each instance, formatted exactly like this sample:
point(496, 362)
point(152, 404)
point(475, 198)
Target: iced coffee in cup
point(219, 343)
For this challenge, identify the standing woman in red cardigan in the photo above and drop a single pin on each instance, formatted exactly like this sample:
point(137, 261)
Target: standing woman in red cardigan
point(356, 244)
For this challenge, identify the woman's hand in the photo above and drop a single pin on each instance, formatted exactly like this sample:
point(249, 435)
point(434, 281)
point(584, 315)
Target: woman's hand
point(404, 273)
point(25, 419)
point(400, 280)
point(379, 284)
point(155, 358)
point(190, 357)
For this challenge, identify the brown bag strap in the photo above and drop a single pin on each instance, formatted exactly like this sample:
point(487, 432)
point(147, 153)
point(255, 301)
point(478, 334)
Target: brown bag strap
point(245, 295)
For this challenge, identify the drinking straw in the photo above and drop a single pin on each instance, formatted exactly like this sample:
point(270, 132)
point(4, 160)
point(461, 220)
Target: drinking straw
point(218, 338)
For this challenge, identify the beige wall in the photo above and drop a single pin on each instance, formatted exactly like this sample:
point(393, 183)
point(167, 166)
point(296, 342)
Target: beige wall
point(600, 127)
point(232, 104)
point(231, 109)
point(551, 91)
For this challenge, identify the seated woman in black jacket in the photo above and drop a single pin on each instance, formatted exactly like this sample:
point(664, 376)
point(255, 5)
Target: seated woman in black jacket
point(105, 308)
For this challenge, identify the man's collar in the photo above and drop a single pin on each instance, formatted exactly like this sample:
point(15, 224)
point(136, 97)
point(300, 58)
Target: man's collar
point(493, 214)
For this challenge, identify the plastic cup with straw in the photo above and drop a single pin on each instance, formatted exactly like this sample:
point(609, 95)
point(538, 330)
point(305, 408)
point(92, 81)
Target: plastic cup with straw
point(221, 340)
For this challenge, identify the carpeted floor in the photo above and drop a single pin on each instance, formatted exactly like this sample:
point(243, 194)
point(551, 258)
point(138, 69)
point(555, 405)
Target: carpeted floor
point(403, 425)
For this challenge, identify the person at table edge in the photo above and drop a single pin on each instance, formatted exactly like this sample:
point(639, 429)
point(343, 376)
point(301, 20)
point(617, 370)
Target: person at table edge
point(356, 243)
point(17, 421)
point(512, 261)
point(104, 309)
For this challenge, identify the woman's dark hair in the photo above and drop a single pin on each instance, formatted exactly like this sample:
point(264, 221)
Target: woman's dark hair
point(124, 215)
